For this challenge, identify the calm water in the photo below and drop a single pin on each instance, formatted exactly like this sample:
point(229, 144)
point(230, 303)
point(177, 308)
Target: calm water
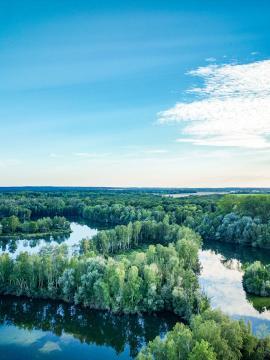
point(199, 193)
point(221, 280)
point(35, 329)
point(15, 246)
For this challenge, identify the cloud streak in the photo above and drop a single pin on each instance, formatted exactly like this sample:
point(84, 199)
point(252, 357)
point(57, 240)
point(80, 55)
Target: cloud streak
point(87, 155)
point(231, 108)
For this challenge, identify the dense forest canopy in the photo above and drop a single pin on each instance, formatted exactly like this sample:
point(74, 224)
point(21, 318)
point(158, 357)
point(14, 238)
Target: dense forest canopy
point(156, 279)
point(145, 260)
point(237, 218)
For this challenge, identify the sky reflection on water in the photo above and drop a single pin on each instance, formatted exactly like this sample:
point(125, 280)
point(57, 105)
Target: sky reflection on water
point(16, 246)
point(221, 280)
point(41, 329)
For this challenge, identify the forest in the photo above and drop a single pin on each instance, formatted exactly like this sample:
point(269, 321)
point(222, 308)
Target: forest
point(235, 218)
point(157, 279)
point(144, 260)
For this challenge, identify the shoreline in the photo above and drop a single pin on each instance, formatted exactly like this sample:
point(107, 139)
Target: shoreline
point(18, 236)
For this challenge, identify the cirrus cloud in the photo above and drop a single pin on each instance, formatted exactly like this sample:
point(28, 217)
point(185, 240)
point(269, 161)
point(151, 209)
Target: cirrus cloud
point(232, 108)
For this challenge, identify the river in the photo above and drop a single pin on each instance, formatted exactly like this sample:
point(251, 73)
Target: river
point(39, 329)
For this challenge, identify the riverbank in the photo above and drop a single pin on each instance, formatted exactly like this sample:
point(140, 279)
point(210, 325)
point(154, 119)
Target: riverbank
point(30, 236)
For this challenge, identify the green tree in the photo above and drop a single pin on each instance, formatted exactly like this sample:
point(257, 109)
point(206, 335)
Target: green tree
point(202, 351)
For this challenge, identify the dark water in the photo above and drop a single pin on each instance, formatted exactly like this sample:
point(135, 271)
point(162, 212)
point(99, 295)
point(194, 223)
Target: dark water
point(35, 329)
point(221, 280)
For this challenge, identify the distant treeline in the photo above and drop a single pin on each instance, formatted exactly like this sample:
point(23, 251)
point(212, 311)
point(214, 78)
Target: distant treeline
point(240, 219)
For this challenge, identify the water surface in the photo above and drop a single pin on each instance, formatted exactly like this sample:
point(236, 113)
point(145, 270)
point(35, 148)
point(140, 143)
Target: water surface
point(39, 329)
point(32, 246)
point(36, 329)
point(221, 280)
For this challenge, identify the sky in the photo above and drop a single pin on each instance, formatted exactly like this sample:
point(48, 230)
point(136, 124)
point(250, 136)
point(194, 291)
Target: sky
point(135, 93)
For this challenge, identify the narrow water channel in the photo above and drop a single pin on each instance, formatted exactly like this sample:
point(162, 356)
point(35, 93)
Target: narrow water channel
point(79, 231)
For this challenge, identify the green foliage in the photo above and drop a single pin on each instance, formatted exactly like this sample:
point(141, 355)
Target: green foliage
point(160, 278)
point(140, 233)
point(239, 219)
point(163, 276)
point(211, 336)
point(12, 225)
point(256, 279)
point(246, 205)
point(202, 351)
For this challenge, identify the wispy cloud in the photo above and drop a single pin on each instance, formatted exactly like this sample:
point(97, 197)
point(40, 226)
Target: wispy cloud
point(231, 109)
point(88, 155)
point(210, 59)
point(55, 156)
point(10, 162)
point(156, 151)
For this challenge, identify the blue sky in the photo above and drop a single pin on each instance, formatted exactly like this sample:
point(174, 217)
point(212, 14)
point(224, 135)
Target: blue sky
point(102, 93)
